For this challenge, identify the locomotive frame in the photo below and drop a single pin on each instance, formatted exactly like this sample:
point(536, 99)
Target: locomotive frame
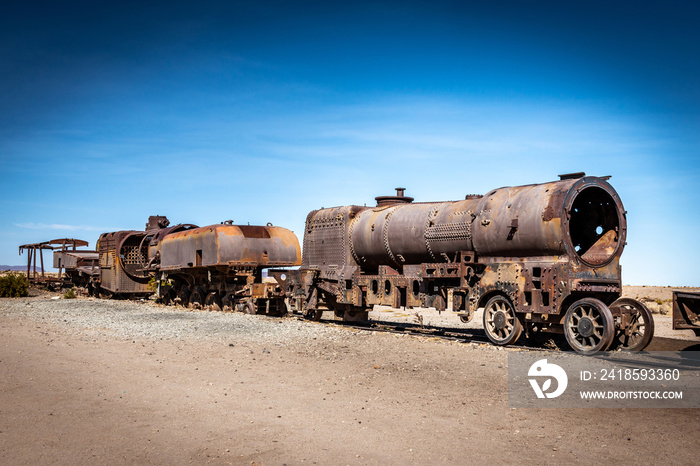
point(541, 257)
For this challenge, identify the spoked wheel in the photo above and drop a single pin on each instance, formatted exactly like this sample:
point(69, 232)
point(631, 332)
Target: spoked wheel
point(196, 298)
point(500, 322)
point(589, 326)
point(213, 301)
point(640, 324)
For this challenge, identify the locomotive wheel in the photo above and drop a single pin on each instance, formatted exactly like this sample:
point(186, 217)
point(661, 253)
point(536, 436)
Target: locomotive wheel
point(641, 327)
point(168, 296)
point(196, 298)
point(213, 301)
point(183, 295)
point(500, 322)
point(589, 326)
point(228, 302)
point(313, 314)
point(250, 308)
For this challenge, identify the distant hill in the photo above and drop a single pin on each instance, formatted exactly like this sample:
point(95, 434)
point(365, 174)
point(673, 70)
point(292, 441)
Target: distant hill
point(4, 268)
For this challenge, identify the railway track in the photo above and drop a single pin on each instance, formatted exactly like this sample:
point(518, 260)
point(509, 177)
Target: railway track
point(468, 335)
point(536, 342)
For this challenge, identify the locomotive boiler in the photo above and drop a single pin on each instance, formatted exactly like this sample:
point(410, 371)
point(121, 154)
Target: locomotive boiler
point(542, 257)
point(217, 265)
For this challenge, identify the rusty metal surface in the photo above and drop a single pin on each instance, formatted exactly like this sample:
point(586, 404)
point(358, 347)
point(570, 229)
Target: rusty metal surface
point(230, 245)
point(217, 266)
point(686, 311)
point(124, 256)
point(541, 246)
point(74, 259)
point(119, 260)
point(221, 267)
point(412, 233)
point(538, 220)
point(81, 267)
point(61, 247)
point(60, 243)
point(128, 258)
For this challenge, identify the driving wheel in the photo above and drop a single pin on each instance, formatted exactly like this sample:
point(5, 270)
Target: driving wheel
point(500, 322)
point(639, 328)
point(589, 326)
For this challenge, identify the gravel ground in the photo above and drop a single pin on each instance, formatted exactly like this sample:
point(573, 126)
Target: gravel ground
point(144, 319)
point(89, 381)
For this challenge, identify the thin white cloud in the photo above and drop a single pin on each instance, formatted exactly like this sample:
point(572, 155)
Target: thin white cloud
point(59, 226)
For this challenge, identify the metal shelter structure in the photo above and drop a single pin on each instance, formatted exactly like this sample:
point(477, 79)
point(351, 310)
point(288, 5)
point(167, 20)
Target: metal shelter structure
point(61, 244)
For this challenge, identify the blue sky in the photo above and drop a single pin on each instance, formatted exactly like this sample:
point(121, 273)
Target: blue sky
point(262, 111)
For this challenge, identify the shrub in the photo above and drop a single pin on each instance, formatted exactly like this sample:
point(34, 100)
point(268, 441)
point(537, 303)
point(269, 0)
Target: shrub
point(14, 285)
point(70, 294)
point(153, 284)
point(164, 284)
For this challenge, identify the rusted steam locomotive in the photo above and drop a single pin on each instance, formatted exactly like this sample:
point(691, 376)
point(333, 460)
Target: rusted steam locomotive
point(217, 265)
point(541, 257)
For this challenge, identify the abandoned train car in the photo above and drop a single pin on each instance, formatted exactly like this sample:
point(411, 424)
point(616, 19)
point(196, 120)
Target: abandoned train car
point(217, 265)
point(76, 267)
point(542, 257)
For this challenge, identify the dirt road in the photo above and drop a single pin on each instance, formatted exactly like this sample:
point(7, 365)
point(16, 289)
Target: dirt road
point(85, 382)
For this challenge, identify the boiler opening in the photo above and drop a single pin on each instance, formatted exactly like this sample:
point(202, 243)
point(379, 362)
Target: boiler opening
point(594, 226)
